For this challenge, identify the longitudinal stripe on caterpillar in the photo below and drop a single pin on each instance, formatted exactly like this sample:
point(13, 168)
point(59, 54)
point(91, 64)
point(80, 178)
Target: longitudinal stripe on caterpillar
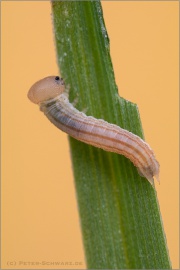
point(50, 94)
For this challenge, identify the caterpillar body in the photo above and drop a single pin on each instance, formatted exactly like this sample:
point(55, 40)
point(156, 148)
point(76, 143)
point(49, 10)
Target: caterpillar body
point(50, 94)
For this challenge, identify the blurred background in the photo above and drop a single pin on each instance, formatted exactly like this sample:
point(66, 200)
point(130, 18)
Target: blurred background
point(40, 225)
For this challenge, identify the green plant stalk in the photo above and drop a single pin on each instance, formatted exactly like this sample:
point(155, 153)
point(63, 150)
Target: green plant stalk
point(119, 213)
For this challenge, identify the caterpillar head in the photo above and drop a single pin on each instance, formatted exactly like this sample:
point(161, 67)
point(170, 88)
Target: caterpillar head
point(45, 89)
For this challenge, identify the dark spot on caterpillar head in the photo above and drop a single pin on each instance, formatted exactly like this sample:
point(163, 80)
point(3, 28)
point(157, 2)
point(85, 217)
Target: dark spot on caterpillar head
point(59, 80)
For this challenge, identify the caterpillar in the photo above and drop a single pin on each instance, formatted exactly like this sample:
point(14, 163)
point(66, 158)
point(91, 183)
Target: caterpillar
point(50, 94)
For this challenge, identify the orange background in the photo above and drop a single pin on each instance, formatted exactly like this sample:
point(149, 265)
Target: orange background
point(39, 210)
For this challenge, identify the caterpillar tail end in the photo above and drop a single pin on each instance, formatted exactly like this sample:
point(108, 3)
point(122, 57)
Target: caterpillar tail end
point(151, 181)
point(157, 178)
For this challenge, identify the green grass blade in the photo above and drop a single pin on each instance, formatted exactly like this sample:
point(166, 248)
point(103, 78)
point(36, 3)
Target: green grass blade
point(119, 213)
